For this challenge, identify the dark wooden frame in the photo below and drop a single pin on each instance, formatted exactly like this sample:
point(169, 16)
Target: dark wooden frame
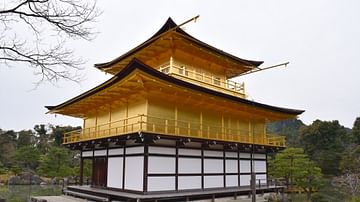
point(146, 154)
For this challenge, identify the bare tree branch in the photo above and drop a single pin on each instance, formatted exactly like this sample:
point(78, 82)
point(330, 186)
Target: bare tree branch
point(52, 23)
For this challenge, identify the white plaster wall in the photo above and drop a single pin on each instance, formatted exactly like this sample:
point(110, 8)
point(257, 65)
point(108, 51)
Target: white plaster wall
point(135, 150)
point(189, 152)
point(161, 150)
point(245, 166)
point(260, 156)
point(189, 165)
point(213, 153)
point(134, 168)
point(117, 151)
point(260, 166)
point(244, 155)
point(161, 164)
point(189, 182)
point(213, 181)
point(213, 166)
point(87, 153)
point(115, 172)
point(100, 152)
point(245, 180)
point(231, 180)
point(161, 183)
point(262, 178)
point(231, 154)
point(231, 166)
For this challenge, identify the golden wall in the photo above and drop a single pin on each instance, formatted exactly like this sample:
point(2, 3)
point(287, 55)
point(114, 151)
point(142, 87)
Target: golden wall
point(158, 116)
point(195, 120)
point(115, 118)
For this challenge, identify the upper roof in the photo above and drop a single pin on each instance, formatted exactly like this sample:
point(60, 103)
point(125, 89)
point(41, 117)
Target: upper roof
point(171, 27)
point(136, 65)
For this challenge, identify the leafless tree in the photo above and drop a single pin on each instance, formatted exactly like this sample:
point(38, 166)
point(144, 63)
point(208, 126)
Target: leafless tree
point(350, 181)
point(36, 32)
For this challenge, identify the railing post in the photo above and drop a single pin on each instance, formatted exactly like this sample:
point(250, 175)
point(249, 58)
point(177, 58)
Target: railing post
point(171, 64)
point(259, 182)
point(189, 134)
point(124, 126)
point(166, 126)
point(176, 128)
point(208, 131)
point(141, 122)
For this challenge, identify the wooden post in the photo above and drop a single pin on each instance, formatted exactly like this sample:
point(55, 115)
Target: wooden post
point(176, 121)
point(201, 133)
point(189, 130)
point(166, 126)
point(141, 121)
point(222, 127)
point(253, 175)
point(171, 65)
point(81, 168)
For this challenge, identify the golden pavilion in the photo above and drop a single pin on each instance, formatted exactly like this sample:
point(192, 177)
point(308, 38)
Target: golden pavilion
point(172, 125)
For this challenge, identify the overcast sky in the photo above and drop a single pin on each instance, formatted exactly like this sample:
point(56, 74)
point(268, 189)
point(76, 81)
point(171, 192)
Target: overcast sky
point(320, 39)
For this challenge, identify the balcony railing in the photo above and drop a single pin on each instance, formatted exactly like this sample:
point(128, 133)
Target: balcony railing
point(183, 72)
point(156, 125)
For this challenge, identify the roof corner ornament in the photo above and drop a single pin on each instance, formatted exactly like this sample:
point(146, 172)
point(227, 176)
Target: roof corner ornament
point(265, 68)
point(187, 21)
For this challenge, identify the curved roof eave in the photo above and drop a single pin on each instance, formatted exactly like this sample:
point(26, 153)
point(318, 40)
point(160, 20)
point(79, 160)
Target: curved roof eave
point(170, 25)
point(137, 64)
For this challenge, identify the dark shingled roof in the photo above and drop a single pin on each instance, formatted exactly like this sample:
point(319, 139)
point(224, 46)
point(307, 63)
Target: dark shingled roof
point(170, 25)
point(137, 64)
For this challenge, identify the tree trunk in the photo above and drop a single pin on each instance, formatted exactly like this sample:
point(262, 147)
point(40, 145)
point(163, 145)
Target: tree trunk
point(308, 194)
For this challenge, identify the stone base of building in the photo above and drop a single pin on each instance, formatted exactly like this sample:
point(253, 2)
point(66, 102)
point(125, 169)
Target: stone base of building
point(227, 194)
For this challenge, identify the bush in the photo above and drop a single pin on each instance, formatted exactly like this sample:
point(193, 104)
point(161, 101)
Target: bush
point(320, 197)
point(357, 199)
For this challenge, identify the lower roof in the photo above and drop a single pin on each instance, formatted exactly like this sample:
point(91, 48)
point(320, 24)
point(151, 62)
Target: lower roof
point(136, 64)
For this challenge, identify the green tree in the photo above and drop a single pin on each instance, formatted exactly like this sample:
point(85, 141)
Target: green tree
point(356, 131)
point(57, 133)
point(56, 163)
point(3, 169)
point(294, 166)
point(8, 147)
point(42, 137)
point(286, 164)
point(289, 128)
point(324, 142)
point(309, 178)
point(27, 157)
point(351, 160)
point(25, 138)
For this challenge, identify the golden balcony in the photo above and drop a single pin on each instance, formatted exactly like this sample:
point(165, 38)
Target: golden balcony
point(190, 74)
point(156, 125)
